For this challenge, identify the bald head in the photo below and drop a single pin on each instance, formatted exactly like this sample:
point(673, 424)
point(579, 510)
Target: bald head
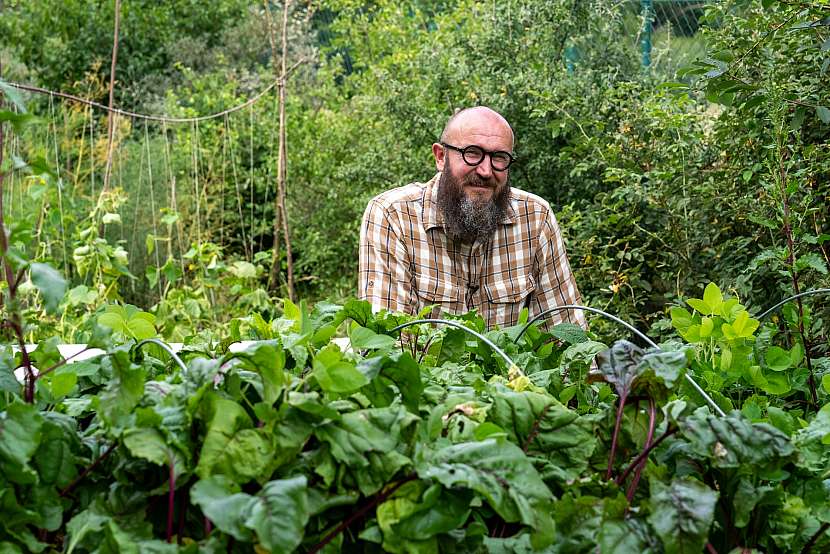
point(473, 121)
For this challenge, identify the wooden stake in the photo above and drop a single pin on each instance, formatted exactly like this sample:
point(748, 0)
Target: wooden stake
point(280, 210)
point(110, 114)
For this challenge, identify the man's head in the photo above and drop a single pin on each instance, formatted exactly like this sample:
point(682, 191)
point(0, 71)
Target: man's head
point(473, 198)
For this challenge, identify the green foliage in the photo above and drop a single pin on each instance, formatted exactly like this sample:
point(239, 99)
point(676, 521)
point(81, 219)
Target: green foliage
point(457, 455)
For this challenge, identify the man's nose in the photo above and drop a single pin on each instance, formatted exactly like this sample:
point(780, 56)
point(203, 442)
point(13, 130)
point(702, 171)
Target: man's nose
point(485, 168)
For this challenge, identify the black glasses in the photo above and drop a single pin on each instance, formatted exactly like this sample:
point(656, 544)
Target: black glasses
point(474, 155)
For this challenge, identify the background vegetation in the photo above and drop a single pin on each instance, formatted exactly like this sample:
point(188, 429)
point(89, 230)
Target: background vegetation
point(662, 180)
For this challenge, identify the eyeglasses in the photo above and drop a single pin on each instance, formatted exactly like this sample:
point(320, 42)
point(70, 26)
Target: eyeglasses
point(474, 155)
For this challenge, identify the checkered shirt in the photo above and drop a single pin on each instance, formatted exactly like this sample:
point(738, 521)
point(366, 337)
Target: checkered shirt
point(407, 261)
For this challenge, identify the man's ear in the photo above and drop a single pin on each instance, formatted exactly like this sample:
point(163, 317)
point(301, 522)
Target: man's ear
point(438, 152)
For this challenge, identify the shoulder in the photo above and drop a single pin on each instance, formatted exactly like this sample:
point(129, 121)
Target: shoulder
point(399, 198)
point(528, 204)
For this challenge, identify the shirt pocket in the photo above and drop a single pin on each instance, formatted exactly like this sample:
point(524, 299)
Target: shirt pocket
point(443, 293)
point(507, 298)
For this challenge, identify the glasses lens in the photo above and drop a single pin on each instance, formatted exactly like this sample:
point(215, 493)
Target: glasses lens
point(473, 155)
point(501, 160)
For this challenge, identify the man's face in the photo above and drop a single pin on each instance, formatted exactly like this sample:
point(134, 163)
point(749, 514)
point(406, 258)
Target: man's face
point(473, 199)
point(480, 182)
point(472, 207)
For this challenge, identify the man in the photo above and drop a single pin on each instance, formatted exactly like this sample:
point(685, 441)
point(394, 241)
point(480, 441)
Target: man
point(465, 239)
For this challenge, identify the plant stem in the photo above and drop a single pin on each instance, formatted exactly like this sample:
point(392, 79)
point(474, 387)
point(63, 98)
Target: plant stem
point(652, 416)
point(788, 234)
point(14, 321)
point(171, 501)
point(814, 539)
point(614, 436)
point(62, 362)
point(86, 472)
point(377, 499)
point(644, 454)
point(535, 430)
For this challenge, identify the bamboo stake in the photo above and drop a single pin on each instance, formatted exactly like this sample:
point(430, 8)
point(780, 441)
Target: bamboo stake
point(280, 211)
point(110, 114)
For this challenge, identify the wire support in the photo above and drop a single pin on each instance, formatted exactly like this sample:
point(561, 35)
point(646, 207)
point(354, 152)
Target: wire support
point(634, 330)
point(510, 363)
point(148, 117)
point(789, 299)
point(585, 309)
point(164, 346)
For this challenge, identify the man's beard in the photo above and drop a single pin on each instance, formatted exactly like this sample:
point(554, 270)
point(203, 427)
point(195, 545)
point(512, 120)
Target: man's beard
point(467, 219)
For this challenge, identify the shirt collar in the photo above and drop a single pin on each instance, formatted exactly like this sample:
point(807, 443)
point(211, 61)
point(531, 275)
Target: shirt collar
point(432, 216)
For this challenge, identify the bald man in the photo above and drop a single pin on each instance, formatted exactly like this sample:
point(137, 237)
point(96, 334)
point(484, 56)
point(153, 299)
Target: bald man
point(465, 240)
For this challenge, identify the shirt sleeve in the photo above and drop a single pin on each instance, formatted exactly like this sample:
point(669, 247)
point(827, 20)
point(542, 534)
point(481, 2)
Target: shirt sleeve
point(556, 285)
point(385, 275)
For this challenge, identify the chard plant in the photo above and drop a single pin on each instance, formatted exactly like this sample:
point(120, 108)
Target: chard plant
point(453, 440)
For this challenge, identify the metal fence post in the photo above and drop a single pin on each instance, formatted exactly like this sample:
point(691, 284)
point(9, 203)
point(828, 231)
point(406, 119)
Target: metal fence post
point(647, 7)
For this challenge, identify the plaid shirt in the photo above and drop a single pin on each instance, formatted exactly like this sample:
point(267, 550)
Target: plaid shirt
point(407, 262)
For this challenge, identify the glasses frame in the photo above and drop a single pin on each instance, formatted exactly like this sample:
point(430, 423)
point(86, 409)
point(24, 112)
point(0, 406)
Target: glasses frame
point(487, 153)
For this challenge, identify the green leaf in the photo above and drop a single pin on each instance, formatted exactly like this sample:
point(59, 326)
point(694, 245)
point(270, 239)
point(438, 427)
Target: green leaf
point(732, 441)
point(122, 394)
point(623, 537)
point(825, 383)
point(19, 122)
point(334, 374)
point(366, 442)
point(399, 368)
point(8, 382)
point(418, 512)
point(711, 302)
point(129, 321)
point(246, 456)
point(363, 338)
point(50, 283)
point(777, 358)
point(741, 328)
point(222, 503)
point(823, 114)
point(60, 383)
point(746, 497)
point(55, 458)
point(226, 418)
point(503, 475)
point(681, 514)
point(268, 360)
point(796, 354)
point(627, 367)
point(777, 384)
point(20, 434)
point(148, 444)
point(279, 513)
point(782, 420)
point(88, 521)
point(243, 269)
point(811, 442)
point(811, 261)
point(569, 333)
point(681, 319)
point(548, 429)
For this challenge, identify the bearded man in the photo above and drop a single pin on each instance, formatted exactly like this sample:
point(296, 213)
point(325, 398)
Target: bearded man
point(465, 239)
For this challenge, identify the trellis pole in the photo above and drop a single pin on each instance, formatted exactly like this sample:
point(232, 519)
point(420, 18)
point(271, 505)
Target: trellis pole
point(281, 213)
point(110, 115)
